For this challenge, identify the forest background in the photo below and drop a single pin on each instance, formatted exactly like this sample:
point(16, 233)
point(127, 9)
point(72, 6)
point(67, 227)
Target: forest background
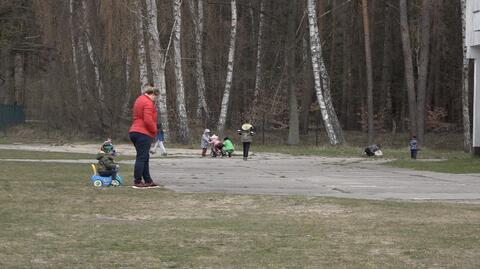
point(379, 66)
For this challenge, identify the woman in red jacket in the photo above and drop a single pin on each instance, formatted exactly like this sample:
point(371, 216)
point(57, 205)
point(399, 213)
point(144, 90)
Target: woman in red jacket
point(142, 133)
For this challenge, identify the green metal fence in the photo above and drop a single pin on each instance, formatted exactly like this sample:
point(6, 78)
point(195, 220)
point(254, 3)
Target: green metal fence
point(11, 115)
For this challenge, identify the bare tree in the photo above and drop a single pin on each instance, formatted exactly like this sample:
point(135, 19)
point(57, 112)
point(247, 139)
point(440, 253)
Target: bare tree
point(231, 57)
point(184, 131)
point(142, 53)
point(19, 79)
point(409, 73)
point(368, 61)
point(258, 65)
point(315, 47)
point(75, 55)
point(196, 9)
point(157, 56)
point(290, 48)
point(385, 102)
point(467, 137)
point(423, 69)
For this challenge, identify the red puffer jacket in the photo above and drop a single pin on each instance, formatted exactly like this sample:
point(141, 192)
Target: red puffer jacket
point(144, 117)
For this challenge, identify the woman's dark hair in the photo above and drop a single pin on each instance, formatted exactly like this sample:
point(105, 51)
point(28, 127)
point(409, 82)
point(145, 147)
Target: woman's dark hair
point(152, 90)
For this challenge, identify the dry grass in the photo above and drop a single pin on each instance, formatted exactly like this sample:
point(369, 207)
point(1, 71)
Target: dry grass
point(52, 218)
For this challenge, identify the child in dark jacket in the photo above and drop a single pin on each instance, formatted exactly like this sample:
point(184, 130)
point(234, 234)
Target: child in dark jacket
point(413, 147)
point(106, 165)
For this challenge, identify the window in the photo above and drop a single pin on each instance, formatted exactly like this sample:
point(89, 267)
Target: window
point(476, 6)
point(476, 21)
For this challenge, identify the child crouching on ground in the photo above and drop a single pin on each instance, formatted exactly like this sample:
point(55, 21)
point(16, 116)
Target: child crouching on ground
point(217, 146)
point(106, 165)
point(228, 146)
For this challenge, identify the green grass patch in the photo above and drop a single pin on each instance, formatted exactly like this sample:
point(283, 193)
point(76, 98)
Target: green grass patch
point(25, 154)
point(51, 217)
point(455, 166)
point(42, 155)
point(351, 151)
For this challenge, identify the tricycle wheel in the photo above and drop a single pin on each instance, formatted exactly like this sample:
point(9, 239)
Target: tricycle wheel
point(115, 183)
point(97, 183)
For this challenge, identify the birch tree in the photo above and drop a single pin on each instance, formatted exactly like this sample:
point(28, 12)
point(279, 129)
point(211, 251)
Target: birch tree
point(315, 47)
point(142, 54)
point(157, 58)
point(467, 137)
point(408, 64)
point(197, 15)
point(184, 131)
point(368, 62)
point(92, 55)
point(258, 65)
point(325, 87)
point(228, 81)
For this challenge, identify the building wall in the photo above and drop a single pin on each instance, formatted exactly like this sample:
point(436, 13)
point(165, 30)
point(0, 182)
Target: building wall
point(473, 24)
point(472, 41)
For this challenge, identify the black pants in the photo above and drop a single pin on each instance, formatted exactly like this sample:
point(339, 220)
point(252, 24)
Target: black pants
point(108, 173)
point(142, 144)
point(413, 153)
point(246, 148)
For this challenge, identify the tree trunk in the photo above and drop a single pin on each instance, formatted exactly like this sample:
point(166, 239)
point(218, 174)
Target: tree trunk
point(4, 67)
point(290, 48)
point(76, 52)
point(346, 106)
point(258, 66)
point(126, 100)
point(368, 61)
point(228, 82)
point(423, 69)
point(385, 103)
point(19, 79)
point(308, 91)
point(326, 88)
point(142, 53)
point(316, 52)
point(157, 57)
point(197, 15)
point(184, 131)
point(9, 85)
point(93, 59)
point(409, 75)
point(467, 137)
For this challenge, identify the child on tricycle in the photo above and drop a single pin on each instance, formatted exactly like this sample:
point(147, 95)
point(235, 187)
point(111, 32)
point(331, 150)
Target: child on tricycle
point(106, 167)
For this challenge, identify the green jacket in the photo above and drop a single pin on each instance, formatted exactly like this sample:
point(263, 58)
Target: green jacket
point(105, 162)
point(228, 145)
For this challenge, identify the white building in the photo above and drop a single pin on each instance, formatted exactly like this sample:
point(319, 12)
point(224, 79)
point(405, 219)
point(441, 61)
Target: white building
point(472, 42)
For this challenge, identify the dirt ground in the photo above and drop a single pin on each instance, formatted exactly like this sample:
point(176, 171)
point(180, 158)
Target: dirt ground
point(183, 170)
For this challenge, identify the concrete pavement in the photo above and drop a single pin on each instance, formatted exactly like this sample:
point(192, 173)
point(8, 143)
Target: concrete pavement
point(275, 174)
point(312, 176)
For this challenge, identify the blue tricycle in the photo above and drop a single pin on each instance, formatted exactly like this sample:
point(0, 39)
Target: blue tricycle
point(99, 181)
